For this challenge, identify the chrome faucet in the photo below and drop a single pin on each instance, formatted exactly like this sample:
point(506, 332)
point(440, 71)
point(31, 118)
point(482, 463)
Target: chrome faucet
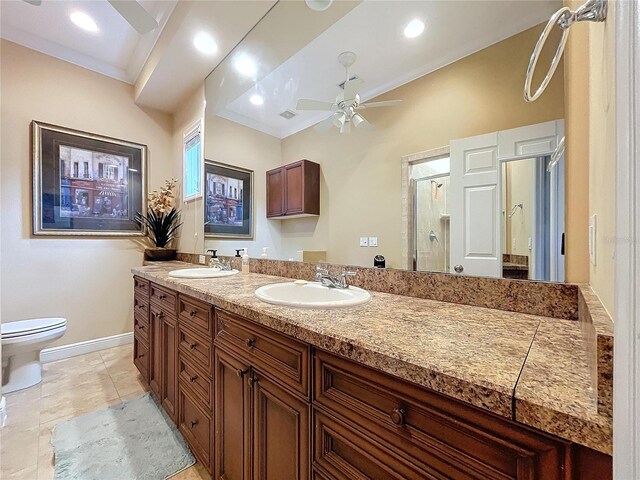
point(322, 276)
point(215, 262)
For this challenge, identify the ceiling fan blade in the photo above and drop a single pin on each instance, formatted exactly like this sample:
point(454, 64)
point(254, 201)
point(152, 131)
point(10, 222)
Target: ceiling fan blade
point(387, 103)
point(326, 124)
point(351, 88)
point(35, 3)
point(135, 14)
point(307, 104)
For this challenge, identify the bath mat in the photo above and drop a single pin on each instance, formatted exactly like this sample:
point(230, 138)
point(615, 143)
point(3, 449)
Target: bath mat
point(133, 440)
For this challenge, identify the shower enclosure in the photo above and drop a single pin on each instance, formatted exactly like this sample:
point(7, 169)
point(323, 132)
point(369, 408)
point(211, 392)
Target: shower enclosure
point(430, 187)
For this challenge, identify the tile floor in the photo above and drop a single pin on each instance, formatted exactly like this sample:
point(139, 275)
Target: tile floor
point(69, 388)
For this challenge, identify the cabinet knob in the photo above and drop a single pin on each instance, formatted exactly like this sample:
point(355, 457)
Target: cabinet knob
point(160, 314)
point(140, 327)
point(161, 296)
point(251, 342)
point(140, 307)
point(140, 355)
point(251, 381)
point(193, 378)
point(241, 373)
point(193, 423)
point(192, 313)
point(193, 345)
point(398, 416)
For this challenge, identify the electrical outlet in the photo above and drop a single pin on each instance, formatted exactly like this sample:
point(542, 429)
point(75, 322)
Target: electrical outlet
point(529, 244)
point(513, 244)
point(364, 241)
point(373, 241)
point(202, 259)
point(593, 235)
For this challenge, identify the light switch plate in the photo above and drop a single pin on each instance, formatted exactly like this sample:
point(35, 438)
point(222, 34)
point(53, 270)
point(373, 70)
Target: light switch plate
point(373, 241)
point(364, 241)
point(593, 235)
point(202, 259)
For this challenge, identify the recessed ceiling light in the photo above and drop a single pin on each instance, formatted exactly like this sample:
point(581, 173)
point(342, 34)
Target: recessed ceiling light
point(256, 100)
point(205, 43)
point(414, 28)
point(245, 65)
point(83, 21)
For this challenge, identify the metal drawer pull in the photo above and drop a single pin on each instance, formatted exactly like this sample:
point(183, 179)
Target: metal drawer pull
point(398, 416)
point(193, 378)
point(251, 381)
point(251, 342)
point(193, 345)
point(192, 313)
point(193, 423)
point(241, 373)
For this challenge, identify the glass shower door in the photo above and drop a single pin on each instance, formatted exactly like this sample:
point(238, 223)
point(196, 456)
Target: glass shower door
point(431, 223)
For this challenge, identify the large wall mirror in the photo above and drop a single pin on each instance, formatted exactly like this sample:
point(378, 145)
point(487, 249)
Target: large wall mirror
point(429, 156)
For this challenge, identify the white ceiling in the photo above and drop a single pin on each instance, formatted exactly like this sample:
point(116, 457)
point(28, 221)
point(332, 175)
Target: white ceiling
point(386, 59)
point(116, 50)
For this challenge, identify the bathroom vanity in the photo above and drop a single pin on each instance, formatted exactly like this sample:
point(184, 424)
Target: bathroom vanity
point(265, 391)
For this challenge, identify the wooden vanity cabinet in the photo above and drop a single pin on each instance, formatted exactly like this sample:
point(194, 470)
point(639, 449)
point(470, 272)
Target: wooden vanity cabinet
point(141, 357)
point(262, 406)
point(294, 190)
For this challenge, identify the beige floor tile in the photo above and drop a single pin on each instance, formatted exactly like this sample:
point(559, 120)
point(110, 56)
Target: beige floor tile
point(196, 472)
point(45, 452)
point(129, 384)
point(119, 361)
point(27, 473)
point(19, 448)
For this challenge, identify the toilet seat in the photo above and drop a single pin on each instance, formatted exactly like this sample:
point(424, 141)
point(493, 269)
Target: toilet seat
point(22, 328)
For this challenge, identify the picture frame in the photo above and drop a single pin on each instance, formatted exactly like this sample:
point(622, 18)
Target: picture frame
point(228, 201)
point(85, 184)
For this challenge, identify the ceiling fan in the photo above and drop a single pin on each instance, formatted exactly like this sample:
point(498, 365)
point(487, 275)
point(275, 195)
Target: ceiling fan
point(131, 11)
point(345, 108)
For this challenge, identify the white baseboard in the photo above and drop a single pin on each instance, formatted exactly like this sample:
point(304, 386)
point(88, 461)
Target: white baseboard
point(65, 351)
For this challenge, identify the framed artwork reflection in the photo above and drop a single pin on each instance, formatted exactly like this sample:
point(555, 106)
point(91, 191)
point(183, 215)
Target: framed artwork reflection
point(228, 207)
point(86, 184)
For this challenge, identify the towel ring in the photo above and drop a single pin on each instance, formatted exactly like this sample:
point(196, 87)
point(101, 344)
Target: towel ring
point(556, 155)
point(591, 11)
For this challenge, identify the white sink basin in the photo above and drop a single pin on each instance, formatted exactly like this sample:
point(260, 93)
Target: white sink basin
point(311, 295)
point(201, 273)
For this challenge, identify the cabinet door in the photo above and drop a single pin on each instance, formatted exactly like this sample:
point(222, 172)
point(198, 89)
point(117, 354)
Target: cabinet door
point(232, 418)
point(294, 188)
point(275, 193)
point(170, 366)
point(280, 432)
point(156, 353)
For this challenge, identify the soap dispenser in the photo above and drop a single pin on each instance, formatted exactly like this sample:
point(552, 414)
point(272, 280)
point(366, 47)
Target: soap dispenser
point(264, 252)
point(238, 252)
point(245, 261)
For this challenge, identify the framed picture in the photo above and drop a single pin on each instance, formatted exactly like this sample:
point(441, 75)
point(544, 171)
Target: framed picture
point(86, 184)
point(228, 207)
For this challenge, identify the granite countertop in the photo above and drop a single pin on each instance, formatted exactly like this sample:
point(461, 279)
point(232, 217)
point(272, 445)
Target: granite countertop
point(525, 367)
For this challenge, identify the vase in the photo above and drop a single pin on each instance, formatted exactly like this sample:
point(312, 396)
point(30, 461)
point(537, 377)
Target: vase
point(159, 254)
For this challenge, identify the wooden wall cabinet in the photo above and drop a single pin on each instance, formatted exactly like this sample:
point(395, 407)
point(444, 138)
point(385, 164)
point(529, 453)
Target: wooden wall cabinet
point(294, 190)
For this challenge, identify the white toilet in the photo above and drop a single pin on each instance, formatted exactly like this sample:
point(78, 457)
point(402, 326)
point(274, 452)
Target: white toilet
point(22, 342)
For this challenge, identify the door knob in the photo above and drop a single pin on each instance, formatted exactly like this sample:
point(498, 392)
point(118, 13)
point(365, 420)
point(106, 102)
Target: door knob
point(458, 268)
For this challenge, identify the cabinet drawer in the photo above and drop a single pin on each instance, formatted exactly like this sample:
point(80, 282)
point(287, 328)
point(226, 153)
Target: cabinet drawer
point(164, 298)
point(341, 452)
point(195, 425)
point(282, 358)
point(192, 378)
point(141, 327)
point(193, 347)
point(443, 437)
point(196, 314)
point(141, 287)
point(140, 306)
point(141, 356)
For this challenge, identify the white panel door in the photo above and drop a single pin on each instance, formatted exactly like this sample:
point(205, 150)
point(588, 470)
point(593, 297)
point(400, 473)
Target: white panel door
point(475, 223)
point(527, 142)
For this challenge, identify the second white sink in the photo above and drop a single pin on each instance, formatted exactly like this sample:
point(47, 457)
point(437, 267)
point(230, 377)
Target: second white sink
point(201, 273)
point(312, 295)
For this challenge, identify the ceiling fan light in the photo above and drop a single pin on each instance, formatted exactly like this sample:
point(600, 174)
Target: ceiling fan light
point(318, 5)
point(339, 119)
point(357, 119)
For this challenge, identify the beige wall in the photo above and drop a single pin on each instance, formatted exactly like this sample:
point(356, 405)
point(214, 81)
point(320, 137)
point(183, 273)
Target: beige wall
point(360, 191)
point(602, 154)
point(191, 233)
point(235, 144)
point(519, 179)
point(86, 280)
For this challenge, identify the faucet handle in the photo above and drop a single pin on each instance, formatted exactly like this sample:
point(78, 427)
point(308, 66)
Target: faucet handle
point(348, 274)
point(320, 272)
point(343, 278)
